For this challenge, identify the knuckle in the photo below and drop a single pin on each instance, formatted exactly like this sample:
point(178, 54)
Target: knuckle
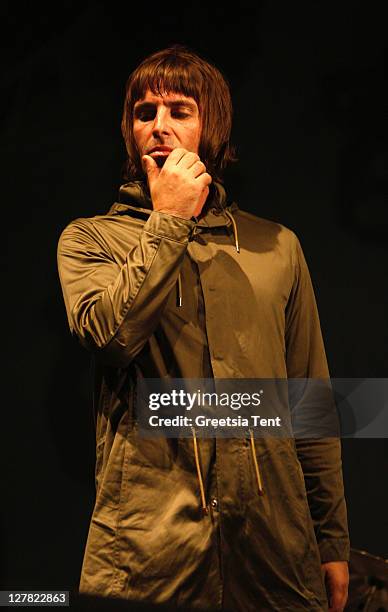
point(171, 171)
point(189, 155)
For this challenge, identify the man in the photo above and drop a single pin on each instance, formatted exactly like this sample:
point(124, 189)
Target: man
point(176, 282)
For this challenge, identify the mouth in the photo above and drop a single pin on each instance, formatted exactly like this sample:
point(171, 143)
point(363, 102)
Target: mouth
point(160, 154)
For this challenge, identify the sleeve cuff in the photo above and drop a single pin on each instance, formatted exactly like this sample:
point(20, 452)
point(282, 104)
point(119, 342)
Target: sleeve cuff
point(334, 550)
point(169, 226)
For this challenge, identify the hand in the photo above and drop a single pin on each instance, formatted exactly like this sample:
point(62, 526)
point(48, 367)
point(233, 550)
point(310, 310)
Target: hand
point(181, 186)
point(336, 577)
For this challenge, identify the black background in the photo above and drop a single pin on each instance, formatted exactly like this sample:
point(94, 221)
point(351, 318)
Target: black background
point(308, 91)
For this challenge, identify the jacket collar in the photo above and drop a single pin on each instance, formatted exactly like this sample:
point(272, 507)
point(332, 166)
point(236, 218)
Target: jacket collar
point(134, 196)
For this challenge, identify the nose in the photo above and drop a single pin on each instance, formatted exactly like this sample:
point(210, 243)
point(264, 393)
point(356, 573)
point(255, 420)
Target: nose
point(161, 123)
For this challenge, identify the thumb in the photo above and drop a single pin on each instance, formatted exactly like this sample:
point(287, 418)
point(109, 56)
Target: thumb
point(151, 168)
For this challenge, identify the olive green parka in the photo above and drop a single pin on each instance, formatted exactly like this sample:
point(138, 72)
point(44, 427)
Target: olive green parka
point(229, 296)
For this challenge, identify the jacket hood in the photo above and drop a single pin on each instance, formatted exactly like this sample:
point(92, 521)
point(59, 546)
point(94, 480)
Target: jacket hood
point(134, 199)
point(135, 196)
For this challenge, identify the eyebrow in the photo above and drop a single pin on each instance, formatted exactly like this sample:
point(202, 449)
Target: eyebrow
point(139, 106)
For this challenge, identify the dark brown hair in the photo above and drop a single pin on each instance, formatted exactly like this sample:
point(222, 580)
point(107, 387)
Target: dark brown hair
point(178, 69)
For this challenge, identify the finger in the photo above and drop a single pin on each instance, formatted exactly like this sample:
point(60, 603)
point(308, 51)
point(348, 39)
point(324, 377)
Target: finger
point(198, 168)
point(175, 156)
point(151, 167)
point(188, 160)
point(201, 202)
point(204, 178)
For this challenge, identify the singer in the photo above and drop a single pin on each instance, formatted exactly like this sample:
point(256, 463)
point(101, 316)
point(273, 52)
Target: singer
point(177, 281)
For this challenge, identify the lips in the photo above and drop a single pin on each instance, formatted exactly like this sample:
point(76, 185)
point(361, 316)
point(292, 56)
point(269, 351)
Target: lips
point(160, 153)
point(160, 149)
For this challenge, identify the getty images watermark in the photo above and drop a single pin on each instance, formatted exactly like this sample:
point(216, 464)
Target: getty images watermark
point(268, 407)
point(192, 402)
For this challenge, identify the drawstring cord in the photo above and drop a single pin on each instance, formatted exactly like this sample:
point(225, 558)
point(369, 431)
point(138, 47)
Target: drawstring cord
point(255, 463)
point(199, 473)
point(179, 288)
point(235, 232)
point(201, 487)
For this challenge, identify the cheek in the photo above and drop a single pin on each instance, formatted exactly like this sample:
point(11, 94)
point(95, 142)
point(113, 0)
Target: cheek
point(193, 139)
point(139, 136)
point(197, 135)
point(198, 141)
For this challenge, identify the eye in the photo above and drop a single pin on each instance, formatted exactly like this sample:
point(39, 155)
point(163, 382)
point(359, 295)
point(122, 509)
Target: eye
point(146, 116)
point(179, 114)
point(144, 112)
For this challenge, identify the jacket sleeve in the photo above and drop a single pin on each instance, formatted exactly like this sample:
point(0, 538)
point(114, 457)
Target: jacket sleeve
point(320, 457)
point(114, 309)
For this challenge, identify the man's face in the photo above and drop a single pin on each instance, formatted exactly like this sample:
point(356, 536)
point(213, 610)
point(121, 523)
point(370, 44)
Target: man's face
point(165, 122)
